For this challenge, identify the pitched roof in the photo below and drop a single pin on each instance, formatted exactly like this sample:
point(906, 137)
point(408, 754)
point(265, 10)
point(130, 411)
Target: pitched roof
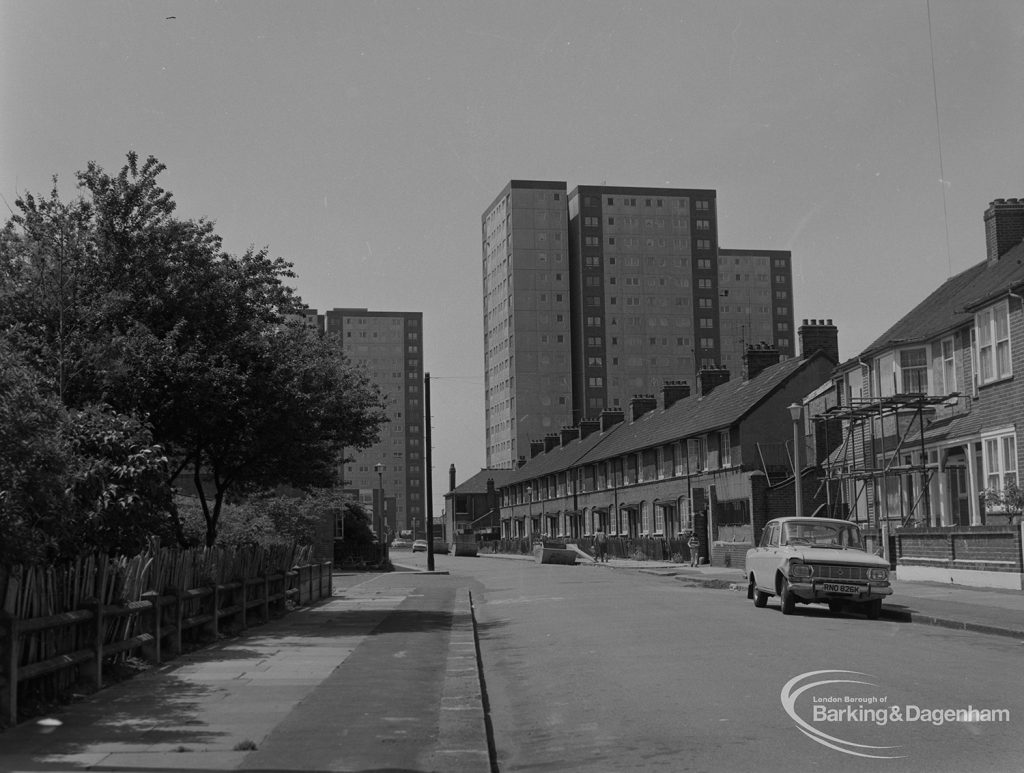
point(951, 304)
point(696, 414)
point(478, 483)
point(561, 457)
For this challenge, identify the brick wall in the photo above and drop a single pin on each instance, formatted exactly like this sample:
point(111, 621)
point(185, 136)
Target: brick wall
point(989, 548)
point(729, 554)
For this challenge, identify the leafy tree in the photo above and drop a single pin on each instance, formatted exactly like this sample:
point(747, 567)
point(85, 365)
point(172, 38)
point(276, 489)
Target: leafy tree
point(118, 302)
point(33, 463)
point(47, 266)
point(118, 483)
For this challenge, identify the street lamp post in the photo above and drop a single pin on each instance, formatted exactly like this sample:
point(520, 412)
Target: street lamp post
point(795, 412)
point(380, 481)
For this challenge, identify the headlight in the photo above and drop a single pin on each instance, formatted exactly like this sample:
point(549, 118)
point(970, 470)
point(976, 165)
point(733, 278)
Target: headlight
point(799, 571)
point(878, 575)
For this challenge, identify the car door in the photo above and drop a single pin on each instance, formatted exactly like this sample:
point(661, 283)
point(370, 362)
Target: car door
point(764, 557)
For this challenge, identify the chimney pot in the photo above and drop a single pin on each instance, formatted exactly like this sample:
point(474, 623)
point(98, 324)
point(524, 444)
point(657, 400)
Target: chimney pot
point(1004, 227)
point(609, 418)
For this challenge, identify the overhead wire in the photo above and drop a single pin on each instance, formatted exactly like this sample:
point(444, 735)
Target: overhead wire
point(938, 133)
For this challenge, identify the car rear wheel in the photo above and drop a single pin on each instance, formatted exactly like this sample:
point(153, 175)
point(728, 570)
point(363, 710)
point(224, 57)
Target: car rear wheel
point(787, 598)
point(873, 609)
point(835, 606)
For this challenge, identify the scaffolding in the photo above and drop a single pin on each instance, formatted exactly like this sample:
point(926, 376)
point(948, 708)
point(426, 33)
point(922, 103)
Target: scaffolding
point(871, 453)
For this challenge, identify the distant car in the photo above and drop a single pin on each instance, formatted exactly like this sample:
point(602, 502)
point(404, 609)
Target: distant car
point(418, 545)
point(401, 544)
point(807, 560)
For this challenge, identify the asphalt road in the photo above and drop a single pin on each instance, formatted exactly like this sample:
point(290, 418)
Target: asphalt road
point(593, 669)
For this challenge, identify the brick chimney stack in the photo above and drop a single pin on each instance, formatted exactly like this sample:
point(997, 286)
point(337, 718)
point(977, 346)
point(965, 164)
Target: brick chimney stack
point(710, 378)
point(641, 404)
point(588, 427)
point(672, 392)
point(609, 418)
point(819, 334)
point(551, 441)
point(536, 447)
point(568, 434)
point(1004, 227)
point(451, 477)
point(757, 358)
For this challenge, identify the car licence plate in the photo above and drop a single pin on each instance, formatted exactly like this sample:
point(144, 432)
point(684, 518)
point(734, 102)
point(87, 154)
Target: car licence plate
point(831, 587)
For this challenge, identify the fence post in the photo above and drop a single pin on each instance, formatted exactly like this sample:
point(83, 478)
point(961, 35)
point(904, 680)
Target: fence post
point(215, 596)
point(266, 598)
point(151, 650)
point(12, 650)
point(179, 619)
point(94, 667)
point(244, 590)
point(297, 573)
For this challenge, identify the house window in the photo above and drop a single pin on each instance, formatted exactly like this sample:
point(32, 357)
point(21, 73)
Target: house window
point(724, 449)
point(993, 337)
point(1000, 462)
point(914, 370)
point(697, 452)
point(948, 367)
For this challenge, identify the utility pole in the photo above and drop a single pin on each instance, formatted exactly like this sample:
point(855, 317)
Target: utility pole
point(430, 475)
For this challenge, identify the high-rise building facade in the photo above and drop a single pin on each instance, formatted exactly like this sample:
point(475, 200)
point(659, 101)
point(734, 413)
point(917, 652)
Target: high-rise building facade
point(388, 346)
point(755, 303)
point(608, 292)
point(645, 291)
point(527, 349)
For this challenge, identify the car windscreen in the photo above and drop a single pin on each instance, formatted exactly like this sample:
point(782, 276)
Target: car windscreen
point(827, 535)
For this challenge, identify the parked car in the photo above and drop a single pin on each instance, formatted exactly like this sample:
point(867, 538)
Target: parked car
point(401, 544)
point(418, 545)
point(807, 560)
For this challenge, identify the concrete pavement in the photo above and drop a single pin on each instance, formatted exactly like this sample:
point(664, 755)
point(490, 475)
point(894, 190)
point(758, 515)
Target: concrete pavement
point(384, 676)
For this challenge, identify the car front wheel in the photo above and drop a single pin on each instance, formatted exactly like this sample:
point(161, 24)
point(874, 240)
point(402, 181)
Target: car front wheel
point(873, 609)
point(760, 597)
point(787, 598)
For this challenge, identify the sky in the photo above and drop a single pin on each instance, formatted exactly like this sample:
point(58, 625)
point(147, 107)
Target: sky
point(362, 141)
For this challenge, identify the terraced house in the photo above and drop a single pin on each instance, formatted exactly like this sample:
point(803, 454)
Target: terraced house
point(716, 462)
point(930, 414)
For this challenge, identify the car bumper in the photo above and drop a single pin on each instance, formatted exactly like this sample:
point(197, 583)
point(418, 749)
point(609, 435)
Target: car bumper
point(815, 591)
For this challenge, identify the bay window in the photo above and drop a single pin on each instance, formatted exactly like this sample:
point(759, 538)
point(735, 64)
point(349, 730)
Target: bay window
point(1000, 459)
point(914, 371)
point(948, 366)
point(992, 328)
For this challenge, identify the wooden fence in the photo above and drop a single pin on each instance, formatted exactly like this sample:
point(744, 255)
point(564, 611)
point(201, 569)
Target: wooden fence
point(62, 625)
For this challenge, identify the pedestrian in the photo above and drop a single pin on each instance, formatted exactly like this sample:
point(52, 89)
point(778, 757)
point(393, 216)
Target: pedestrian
point(600, 545)
point(694, 545)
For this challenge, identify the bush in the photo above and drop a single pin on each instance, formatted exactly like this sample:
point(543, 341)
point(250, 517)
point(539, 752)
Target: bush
point(271, 519)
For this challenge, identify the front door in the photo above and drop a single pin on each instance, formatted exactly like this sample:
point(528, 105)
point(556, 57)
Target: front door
point(634, 523)
point(959, 495)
